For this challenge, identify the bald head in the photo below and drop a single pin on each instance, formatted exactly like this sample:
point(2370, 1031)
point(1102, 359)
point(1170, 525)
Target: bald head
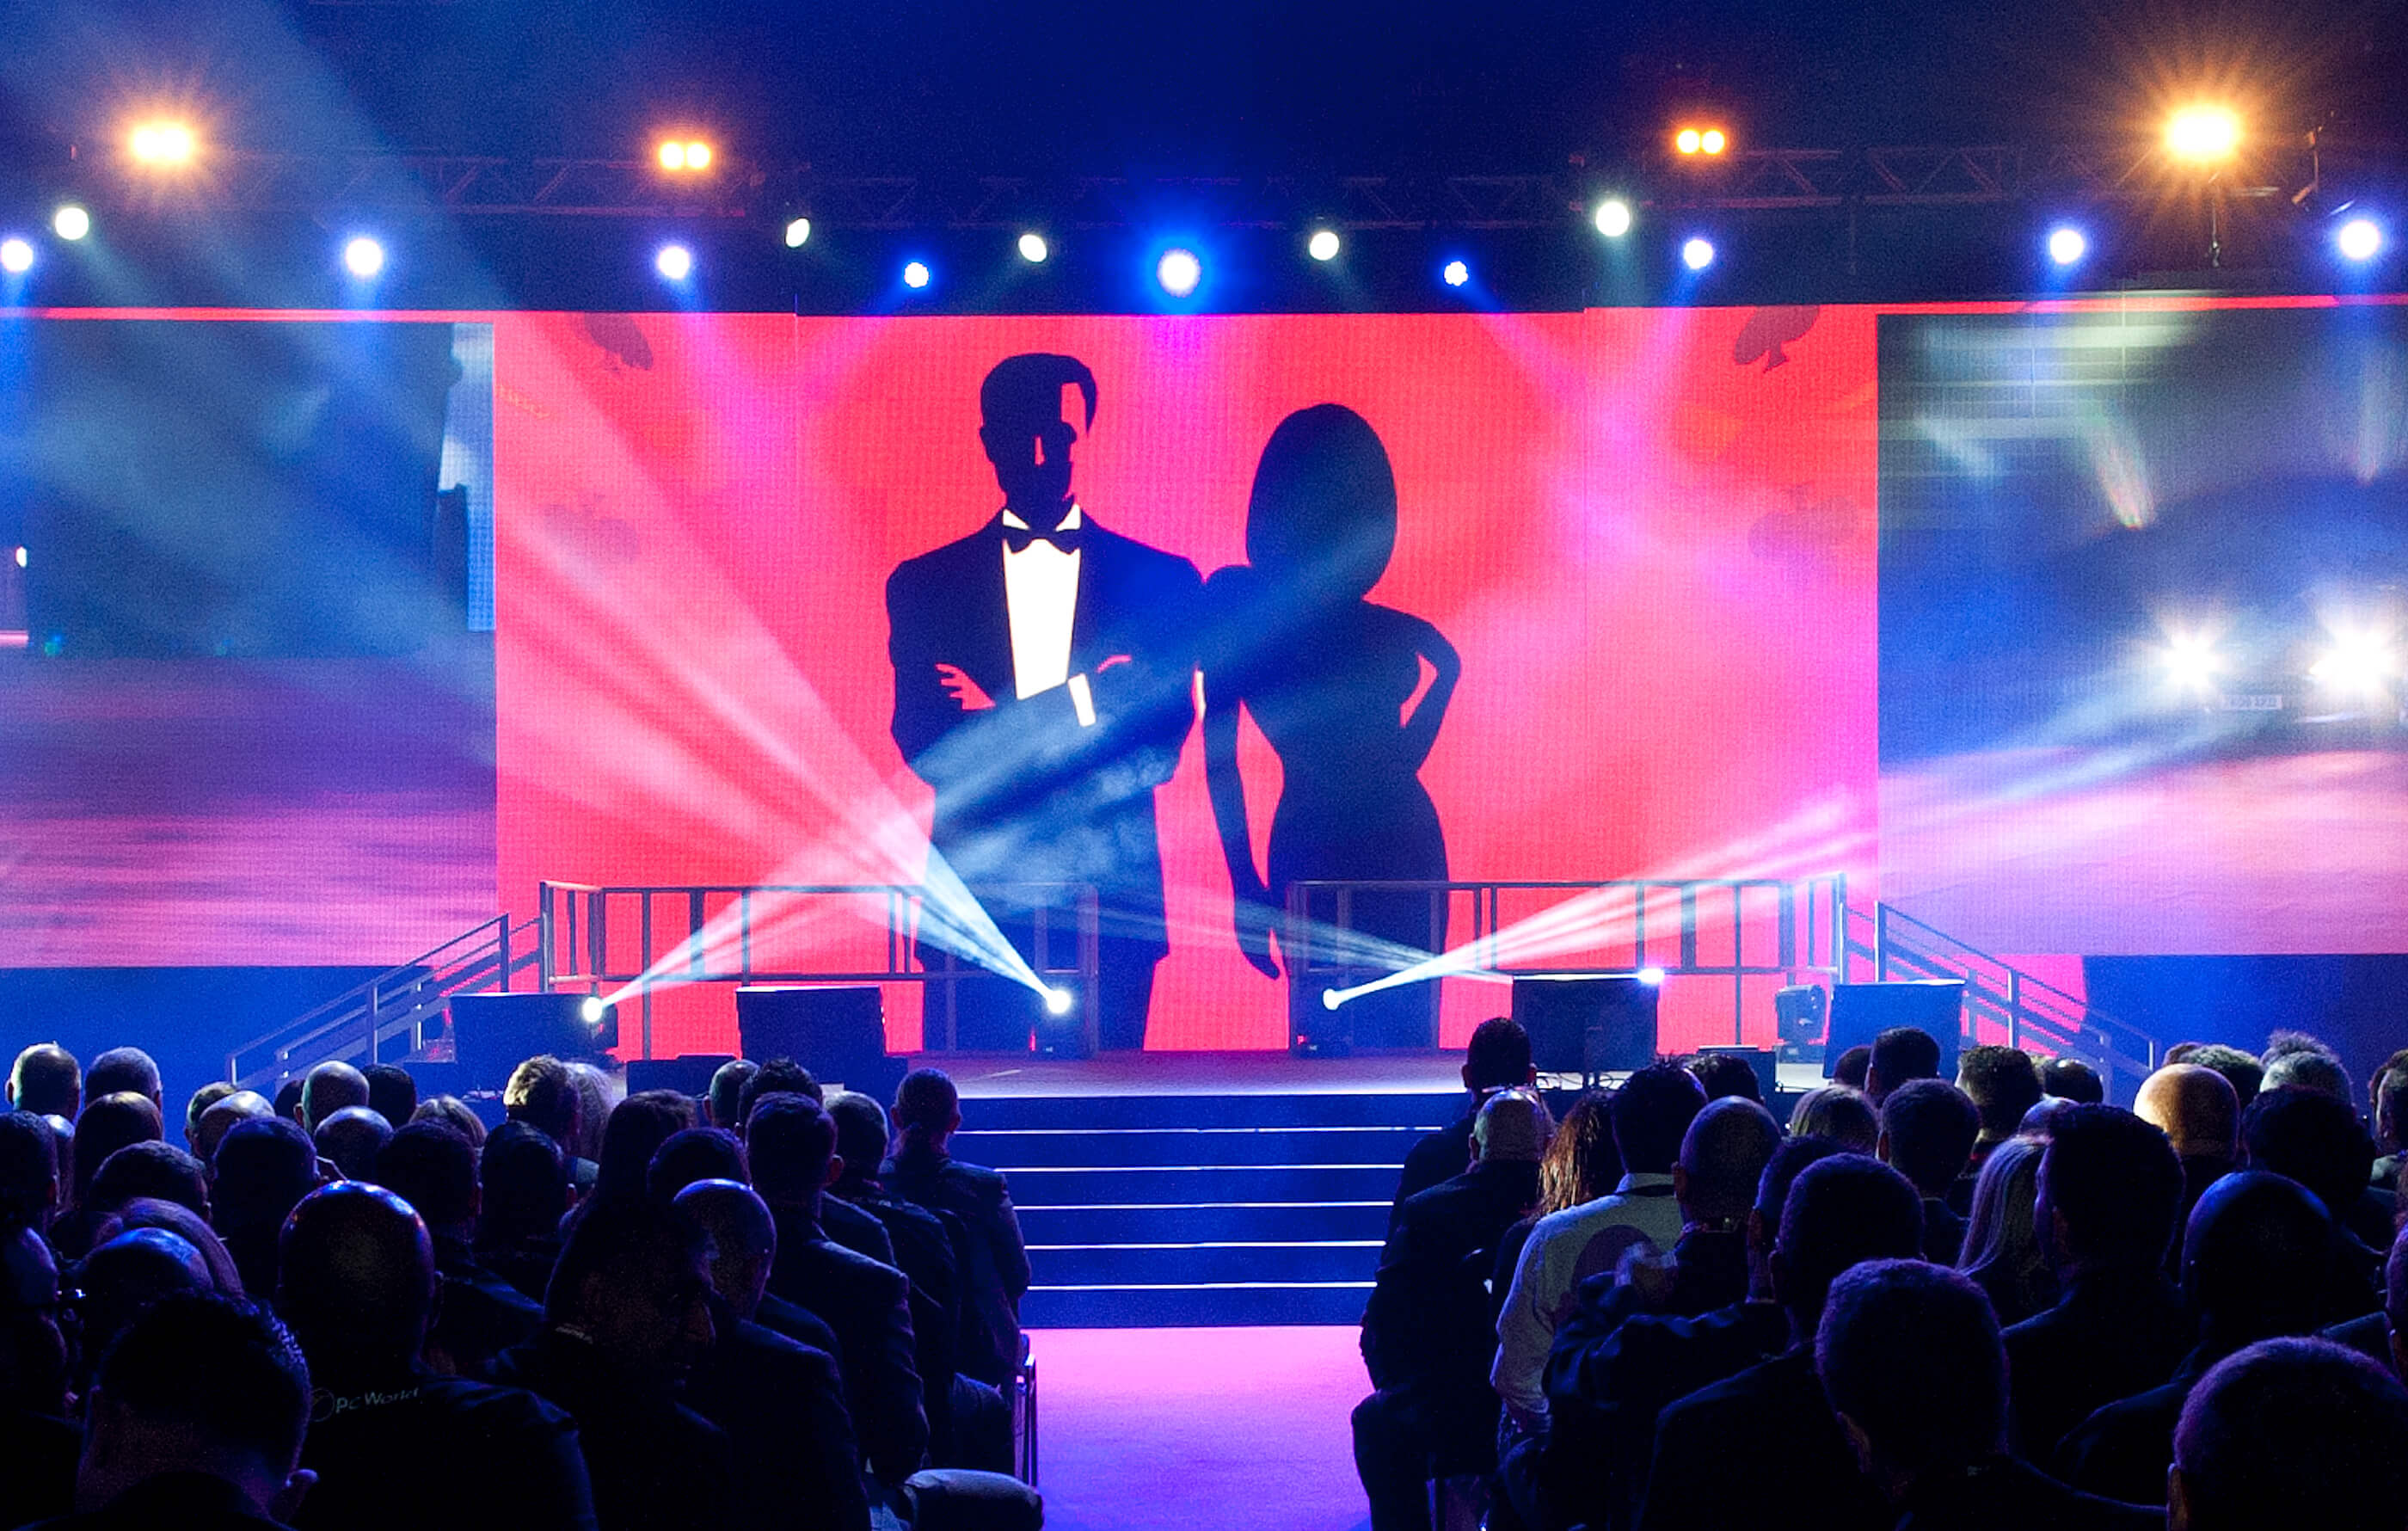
point(108, 1123)
point(1513, 1125)
point(743, 1238)
point(351, 1138)
point(2195, 1107)
point(219, 1119)
point(46, 1080)
point(1722, 1156)
point(137, 1266)
point(355, 1275)
point(329, 1088)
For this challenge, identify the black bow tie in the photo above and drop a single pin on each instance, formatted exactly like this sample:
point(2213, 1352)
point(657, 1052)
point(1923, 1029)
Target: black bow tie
point(1066, 538)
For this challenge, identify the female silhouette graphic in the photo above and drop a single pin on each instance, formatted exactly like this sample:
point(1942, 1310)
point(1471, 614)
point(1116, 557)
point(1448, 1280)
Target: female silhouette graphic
point(1327, 676)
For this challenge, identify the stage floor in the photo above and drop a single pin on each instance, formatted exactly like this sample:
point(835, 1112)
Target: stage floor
point(1009, 1076)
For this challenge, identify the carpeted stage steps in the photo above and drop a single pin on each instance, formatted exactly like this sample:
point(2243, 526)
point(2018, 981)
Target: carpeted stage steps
point(1189, 1209)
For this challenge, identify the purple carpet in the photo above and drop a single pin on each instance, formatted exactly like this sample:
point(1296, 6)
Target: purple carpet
point(1183, 1429)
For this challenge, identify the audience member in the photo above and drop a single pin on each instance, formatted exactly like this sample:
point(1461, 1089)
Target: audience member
point(697, 1153)
point(110, 1122)
point(2319, 1142)
point(639, 1125)
point(1850, 1067)
point(2241, 1071)
point(46, 1080)
point(778, 1077)
point(196, 1422)
point(626, 1318)
point(523, 1178)
point(2386, 1104)
point(478, 1313)
point(543, 1093)
point(1725, 1074)
point(186, 1224)
point(287, 1099)
point(351, 1138)
point(1497, 1058)
point(1910, 1356)
point(790, 1141)
point(1651, 1113)
point(29, 1173)
point(1899, 1055)
point(202, 1099)
point(155, 1169)
point(264, 1167)
point(595, 1101)
point(723, 1105)
point(2256, 1257)
point(392, 1093)
point(2042, 1120)
point(1839, 1114)
point(2315, 1071)
point(995, 1267)
point(2195, 1107)
point(128, 1070)
point(1839, 1212)
point(2291, 1432)
point(1928, 1133)
point(2070, 1079)
point(841, 1221)
point(220, 1118)
point(743, 1252)
point(1429, 1329)
point(330, 1087)
point(2002, 1252)
point(38, 1445)
point(2109, 1187)
point(125, 1273)
point(2284, 1043)
point(2003, 1084)
point(453, 1112)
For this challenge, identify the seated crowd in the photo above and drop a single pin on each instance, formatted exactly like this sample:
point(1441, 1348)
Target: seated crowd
point(346, 1306)
point(1995, 1302)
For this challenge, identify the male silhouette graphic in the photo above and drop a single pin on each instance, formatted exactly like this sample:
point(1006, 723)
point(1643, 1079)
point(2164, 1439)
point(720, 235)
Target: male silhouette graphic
point(1043, 686)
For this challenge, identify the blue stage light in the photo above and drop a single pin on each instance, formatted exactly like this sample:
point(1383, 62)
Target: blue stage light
point(1454, 273)
point(1179, 272)
point(2067, 244)
point(1697, 254)
point(16, 257)
point(1058, 1001)
point(915, 275)
point(674, 262)
point(363, 257)
point(2359, 239)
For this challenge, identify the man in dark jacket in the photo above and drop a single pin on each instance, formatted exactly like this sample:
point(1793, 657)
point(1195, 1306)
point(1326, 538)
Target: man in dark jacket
point(1497, 1058)
point(480, 1315)
point(995, 1265)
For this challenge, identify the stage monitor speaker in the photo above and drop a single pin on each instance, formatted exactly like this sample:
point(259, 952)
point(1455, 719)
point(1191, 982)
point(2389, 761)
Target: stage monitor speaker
point(688, 1073)
point(1798, 1013)
point(492, 1033)
point(1761, 1059)
point(836, 1031)
point(1862, 1011)
point(1585, 1023)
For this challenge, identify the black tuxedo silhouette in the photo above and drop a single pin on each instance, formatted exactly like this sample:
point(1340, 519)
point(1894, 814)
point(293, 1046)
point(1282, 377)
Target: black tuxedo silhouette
point(1027, 791)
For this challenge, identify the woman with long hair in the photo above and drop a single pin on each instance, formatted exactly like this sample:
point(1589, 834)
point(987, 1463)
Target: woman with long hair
point(2002, 1254)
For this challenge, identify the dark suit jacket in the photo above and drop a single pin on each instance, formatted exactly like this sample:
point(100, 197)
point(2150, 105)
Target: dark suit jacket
point(992, 1257)
point(925, 1253)
point(856, 1230)
point(2007, 1495)
point(511, 1453)
point(1943, 1232)
point(1751, 1451)
point(1434, 1159)
point(189, 1501)
point(869, 1307)
point(2368, 1335)
point(1023, 792)
point(654, 1464)
point(480, 1315)
point(782, 1407)
point(2122, 1450)
point(1430, 1327)
point(2113, 1333)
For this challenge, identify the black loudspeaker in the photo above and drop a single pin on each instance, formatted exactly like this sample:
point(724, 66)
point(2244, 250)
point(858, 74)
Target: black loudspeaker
point(688, 1073)
point(1798, 1013)
point(494, 1033)
point(1760, 1059)
point(1580, 1024)
point(836, 1031)
point(1862, 1011)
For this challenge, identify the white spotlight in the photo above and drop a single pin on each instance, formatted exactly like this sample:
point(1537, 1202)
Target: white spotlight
point(798, 233)
point(915, 275)
point(1613, 218)
point(21, 557)
point(1058, 1001)
point(71, 222)
point(1329, 1000)
point(1322, 245)
point(1455, 274)
point(16, 257)
point(674, 262)
point(1652, 977)
point(2066, 245)
point(364, 257)
point(1697, 254)
point(2359, 239)
point(1179, 272)
point(1033, 249)
point(592, 1011)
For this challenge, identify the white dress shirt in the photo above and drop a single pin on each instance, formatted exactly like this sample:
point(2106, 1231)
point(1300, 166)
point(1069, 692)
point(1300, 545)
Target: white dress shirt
point(1565, 1249)
point(1040, 598)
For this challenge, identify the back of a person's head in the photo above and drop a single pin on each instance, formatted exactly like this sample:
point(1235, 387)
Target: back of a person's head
point(626, 1243)
point(2112, 1186)
point(392, 1093)
point(861, 1134)
point(46, 1080)
point(1849, 1068)
point(1910, 1352)
point(697, 1153)
point(2310, 1071)
point(175, 1218)
point(215, 1381)
point(2292, 1433)
point(1900, 1053)
point(351, 1138)
point(2070, 1079)
point(1838, 1113)
point(263, 1168)
point(743, 1238)
point(2387, 1094)
point(2313, 1139)
point(593, 1103)
point(2285, 1042)
point(197, 1106)
point(155, 1168)
point(453, 1112)
point(778, 1077)
point(1930, 1128)
point(2195, 1107)
point(1652, 1113)
point(1498, 1055)
point(1512, 1126)
point(1723, 1075)
point(430, 1165)
point(330, 1087)
point(122, 1070)
point(2258, 1254)
point(110, 1122)
point(1581, 1162)
point(29, 1171)
point(542, 1093)
point(926, 1105)
point(726, 1096)
point(355, 1273)
point(1998, 1229)
point(1723, 1157)
point(639, 1125)
point(788, 1140)
point(523, 1176)
point(220, 1117)
point(2002, 1083)
point(1781, 1172)
point(1841, 1212)
point(2241, 1070)
point(129, 1269)
point(287, 1099)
